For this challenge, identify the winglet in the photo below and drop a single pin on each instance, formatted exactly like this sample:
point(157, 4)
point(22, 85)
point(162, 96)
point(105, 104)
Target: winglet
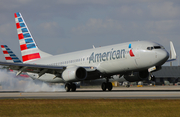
point(172, 53)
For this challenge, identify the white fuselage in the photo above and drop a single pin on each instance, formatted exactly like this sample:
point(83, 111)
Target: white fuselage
point(113, 59)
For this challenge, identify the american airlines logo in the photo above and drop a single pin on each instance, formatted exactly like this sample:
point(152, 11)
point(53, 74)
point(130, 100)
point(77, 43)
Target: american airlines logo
point(105, 56)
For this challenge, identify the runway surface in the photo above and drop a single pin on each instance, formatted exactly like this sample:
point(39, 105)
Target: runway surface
point(163, 92)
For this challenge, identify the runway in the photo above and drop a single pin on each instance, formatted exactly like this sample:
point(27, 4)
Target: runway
point(169, 92)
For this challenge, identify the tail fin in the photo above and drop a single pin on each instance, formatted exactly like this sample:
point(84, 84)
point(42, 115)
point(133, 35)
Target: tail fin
point(9, 55)
point(29, 49)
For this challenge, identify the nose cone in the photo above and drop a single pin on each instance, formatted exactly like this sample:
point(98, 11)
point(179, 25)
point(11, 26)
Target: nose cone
point(163, 56)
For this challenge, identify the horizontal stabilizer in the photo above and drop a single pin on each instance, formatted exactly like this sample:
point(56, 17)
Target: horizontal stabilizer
point(9, 55)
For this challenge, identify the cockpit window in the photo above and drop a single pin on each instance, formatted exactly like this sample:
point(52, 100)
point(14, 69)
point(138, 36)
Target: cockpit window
point(158, 47)
point(149, 48)
point(155, 47)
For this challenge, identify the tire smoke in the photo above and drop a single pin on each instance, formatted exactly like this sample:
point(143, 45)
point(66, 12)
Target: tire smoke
point(9, 82)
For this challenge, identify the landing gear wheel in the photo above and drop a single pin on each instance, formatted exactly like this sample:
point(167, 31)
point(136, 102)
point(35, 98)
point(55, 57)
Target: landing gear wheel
point(73, 87)
point(70, 87)
point(153, 78)
point(109, 86)
point(67, 87)
point(103, 86)
point(128, 86)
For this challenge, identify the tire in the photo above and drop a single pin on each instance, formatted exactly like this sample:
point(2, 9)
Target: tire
point(109, 86)
point(153, 78)
point(67, 87)
point(103, 86)
point(128, 86)
point(73, 87)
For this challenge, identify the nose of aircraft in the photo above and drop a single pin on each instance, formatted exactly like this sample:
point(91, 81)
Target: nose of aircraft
point(163, 56)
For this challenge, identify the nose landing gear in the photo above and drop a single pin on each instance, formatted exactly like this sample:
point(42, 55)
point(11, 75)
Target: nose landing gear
point(152, 77)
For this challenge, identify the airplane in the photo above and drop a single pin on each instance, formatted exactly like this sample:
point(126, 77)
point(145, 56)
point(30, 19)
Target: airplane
point(11, 57)
point(135, 58)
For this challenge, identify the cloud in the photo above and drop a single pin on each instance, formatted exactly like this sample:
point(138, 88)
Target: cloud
point(132, 11)
point(98, 26)
point(5, 29)
point(49, 27)
point(163, 26)
point(164, 10)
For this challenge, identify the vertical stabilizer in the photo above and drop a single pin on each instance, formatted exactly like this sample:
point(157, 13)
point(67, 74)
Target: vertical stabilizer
point(29, 49)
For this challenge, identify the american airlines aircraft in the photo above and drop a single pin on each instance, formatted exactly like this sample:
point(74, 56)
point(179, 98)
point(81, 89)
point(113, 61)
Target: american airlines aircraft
point(138, 58)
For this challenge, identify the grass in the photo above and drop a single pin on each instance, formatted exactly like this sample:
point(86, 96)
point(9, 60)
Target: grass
point(89, 107)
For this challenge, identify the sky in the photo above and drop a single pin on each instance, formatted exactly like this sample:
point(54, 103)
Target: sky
point(61, 26)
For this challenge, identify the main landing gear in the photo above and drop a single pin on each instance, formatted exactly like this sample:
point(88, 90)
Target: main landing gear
point(70, 87)
point(106, 85)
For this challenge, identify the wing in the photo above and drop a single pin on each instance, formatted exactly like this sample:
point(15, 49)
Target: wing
point(33, 68)
point(40, 69)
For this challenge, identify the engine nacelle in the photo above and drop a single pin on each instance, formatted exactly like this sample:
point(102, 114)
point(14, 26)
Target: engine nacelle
point(137, 76)
point(74, 74)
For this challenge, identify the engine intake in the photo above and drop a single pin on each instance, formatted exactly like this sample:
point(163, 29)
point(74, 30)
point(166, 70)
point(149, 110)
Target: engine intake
point(137, 76)
point(143, 74)
point(74, 74)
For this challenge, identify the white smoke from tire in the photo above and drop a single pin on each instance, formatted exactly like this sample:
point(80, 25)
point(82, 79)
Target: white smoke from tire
point(9, 82)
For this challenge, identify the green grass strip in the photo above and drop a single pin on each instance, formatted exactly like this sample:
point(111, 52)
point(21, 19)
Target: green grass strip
point(89, 107)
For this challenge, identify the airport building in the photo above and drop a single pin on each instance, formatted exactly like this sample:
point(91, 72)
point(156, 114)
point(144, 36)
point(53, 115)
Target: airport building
point(167, 75)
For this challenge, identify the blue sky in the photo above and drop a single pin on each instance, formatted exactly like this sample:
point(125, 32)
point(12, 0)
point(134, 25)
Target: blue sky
point(61, 26)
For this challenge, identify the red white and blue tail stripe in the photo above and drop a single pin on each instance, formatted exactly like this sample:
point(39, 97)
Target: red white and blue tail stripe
point(9, 55)
point(29, 49)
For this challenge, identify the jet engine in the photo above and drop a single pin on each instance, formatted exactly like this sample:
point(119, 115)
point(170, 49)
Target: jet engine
point(74, 74)
point(137, 76)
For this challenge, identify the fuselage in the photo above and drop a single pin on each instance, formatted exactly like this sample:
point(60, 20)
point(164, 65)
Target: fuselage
point(113, 59)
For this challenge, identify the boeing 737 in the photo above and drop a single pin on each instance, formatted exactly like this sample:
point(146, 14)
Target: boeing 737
point(138, 58)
